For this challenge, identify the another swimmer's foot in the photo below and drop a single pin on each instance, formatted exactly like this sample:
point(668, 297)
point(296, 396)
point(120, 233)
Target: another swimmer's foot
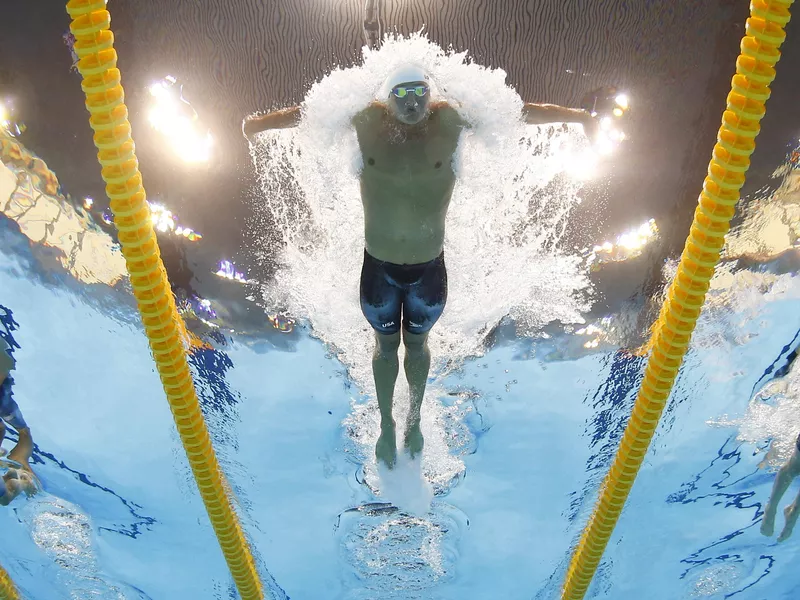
point(791, 513)
point(414, 442)
point(768, 522)
point(386, 448)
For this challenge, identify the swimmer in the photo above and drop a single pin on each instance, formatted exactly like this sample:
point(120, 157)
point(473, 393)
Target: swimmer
point(407, 143)
point(19, 478)
point(783, 480)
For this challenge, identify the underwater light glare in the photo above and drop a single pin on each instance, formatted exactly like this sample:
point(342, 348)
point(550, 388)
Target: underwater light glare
point(639, 237)
point(629, 244)
point(165, 221)
point(227, 270)
point(172, 116)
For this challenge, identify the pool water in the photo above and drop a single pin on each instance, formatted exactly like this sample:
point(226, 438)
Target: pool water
point(520, 426)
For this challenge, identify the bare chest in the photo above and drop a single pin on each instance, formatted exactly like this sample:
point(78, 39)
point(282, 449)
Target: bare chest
point(391, 151)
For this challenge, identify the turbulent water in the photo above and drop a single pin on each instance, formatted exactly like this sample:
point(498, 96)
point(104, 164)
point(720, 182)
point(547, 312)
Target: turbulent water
point(516, 185)
point(775, 400)
point(511, 203)
point(119, 511)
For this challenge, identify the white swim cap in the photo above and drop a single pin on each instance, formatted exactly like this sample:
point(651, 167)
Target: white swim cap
point(404, 73)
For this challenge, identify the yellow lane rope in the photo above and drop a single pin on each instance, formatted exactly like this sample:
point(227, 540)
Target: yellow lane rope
point(164, 328)
point(7, 589)
point(679, 313)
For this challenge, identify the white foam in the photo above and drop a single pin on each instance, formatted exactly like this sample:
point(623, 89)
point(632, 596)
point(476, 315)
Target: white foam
point(405, 486)
point(736, 305)
point(508, 213)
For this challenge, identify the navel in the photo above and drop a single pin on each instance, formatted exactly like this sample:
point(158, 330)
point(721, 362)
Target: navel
point(438, 164)
point(370, 161)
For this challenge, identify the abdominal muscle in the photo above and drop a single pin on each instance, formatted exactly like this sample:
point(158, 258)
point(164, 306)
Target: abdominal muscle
point(404, 247)
point(405, 229)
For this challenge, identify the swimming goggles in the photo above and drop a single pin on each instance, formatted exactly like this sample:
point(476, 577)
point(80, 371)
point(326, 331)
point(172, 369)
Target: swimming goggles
point(402, 92)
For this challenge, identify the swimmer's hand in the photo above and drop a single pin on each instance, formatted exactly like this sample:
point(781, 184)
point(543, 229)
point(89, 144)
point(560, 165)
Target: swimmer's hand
point(27, 484)
point(591, 126)
point(279, 119)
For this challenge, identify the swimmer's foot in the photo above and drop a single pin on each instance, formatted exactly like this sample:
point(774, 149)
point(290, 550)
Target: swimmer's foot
point(791, 513)
point(386, 448)
point(414, 442)
point(768, 522)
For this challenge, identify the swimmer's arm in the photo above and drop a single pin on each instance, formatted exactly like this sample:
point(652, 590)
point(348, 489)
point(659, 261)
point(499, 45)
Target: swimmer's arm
point(540, 114)
point(278, 119)
point(454, 116)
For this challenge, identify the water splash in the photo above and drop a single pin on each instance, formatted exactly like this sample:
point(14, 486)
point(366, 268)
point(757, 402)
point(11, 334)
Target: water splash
point(772, 411)
point(397, 556)
point(510, 206)
point(772, 414)
point(509, 209)
point(65, 535)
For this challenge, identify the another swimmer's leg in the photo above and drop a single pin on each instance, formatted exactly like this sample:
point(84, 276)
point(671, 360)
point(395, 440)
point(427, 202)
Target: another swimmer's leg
point(782, 482)
point(417, 365)
point(791, 513)
point(385, 367)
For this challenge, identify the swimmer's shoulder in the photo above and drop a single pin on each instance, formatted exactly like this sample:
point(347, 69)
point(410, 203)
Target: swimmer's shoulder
point(373, 112)
point(448, 114)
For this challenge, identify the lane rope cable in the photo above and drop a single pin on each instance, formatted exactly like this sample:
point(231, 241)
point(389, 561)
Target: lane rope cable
point(8, 591)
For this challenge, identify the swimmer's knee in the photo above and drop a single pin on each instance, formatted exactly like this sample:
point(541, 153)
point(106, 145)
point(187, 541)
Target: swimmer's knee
point(414, 341)
point(387, 343)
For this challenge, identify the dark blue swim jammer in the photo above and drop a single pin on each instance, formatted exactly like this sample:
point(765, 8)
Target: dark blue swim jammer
point(413, 295)
point(9, 411)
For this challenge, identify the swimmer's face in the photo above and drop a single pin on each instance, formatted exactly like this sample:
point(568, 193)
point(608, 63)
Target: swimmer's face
point(409, 102)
